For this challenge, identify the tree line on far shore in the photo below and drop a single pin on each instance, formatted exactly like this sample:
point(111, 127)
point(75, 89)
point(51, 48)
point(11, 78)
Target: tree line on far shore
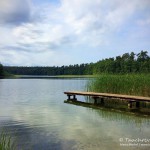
point(1, 70)
point(125, 64)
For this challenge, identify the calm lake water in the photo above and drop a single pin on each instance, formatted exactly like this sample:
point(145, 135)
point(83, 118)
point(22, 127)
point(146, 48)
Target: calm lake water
point(33, 112)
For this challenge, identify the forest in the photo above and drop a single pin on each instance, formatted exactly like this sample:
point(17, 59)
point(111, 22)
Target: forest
point(125, 64)
point(1, 70)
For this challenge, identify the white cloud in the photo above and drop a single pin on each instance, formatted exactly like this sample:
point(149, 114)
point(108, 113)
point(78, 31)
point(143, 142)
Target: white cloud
point(14, 11)
point(73, 24)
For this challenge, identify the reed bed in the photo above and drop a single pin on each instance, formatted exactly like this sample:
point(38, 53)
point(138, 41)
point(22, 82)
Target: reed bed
point(6, 142)
point(130, 84)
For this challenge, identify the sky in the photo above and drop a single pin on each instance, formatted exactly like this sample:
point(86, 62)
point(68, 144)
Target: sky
point(64, 32)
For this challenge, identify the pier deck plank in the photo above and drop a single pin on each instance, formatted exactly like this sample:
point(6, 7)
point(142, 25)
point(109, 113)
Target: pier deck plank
point(109, 95)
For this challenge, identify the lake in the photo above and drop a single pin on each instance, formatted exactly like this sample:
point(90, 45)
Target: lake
point(33, 113)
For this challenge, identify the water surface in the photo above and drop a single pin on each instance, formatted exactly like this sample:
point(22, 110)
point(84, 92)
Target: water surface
point(33, 112)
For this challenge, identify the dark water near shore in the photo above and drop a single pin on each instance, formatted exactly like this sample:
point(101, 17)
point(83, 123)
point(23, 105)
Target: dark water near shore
point(33, 112)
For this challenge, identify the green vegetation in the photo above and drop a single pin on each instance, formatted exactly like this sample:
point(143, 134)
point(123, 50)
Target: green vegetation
point(1, 70)
point(131, 84)
point(4, 73)
point(126, 74)
point(125, 64)
point(83, 69)
point(6, 142)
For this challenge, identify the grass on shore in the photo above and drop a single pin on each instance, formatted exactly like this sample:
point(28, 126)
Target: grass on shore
point(131, 84)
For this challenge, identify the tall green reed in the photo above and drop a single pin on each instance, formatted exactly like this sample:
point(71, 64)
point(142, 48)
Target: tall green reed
point(6, 142)
point(131, 84)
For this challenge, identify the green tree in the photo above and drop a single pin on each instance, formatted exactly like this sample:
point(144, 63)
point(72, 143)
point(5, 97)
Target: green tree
point(143, 61)
point(1, 70)
point(127, 63)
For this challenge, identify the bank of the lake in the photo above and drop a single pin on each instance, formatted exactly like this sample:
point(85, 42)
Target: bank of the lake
point(56, 76)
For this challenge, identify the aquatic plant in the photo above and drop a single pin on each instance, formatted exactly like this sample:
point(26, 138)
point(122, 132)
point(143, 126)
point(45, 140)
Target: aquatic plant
point(6, 142)
point(131, 84)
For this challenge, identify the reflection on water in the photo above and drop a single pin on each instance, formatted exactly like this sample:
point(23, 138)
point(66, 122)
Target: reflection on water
point(33, 113)
point(28, 137)
point(118, 105)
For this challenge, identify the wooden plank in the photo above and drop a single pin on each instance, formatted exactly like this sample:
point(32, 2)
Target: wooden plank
point(109, 95)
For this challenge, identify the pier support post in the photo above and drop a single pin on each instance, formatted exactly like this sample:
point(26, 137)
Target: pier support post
point(95, 100)
point(74, 98)
point(102, 101)
point(69, 97)
point(130, 104)
point(137, 104)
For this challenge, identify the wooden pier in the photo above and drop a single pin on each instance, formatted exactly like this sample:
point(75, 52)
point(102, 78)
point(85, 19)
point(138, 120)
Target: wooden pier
point(102, 96)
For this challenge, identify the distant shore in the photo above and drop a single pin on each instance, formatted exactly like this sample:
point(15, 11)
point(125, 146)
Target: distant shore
point(46, 76)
